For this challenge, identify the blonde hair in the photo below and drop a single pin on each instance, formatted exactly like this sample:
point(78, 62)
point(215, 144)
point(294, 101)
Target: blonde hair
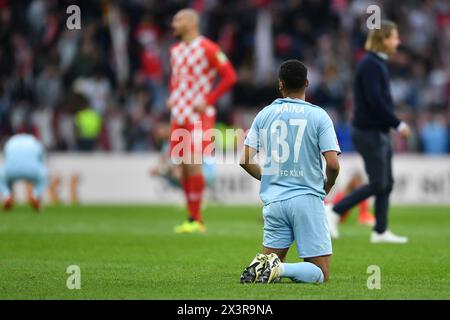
point(375, 38)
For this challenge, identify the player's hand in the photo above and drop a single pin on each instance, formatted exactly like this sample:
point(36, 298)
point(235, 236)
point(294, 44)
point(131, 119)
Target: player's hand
point(200, 107)
point(327, 187)
point(404, 130)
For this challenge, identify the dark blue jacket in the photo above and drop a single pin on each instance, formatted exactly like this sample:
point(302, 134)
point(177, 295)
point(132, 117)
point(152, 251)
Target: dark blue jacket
point(373, 106)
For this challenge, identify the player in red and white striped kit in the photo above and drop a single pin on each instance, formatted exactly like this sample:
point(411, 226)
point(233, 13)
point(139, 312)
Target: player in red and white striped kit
point(196, 62)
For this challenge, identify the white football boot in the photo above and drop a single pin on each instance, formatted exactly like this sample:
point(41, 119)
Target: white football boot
point(387, 237)
point(253, 272)
point(272, 270)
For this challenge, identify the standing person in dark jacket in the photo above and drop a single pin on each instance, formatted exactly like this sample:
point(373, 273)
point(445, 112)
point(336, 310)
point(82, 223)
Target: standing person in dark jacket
point(372, 119)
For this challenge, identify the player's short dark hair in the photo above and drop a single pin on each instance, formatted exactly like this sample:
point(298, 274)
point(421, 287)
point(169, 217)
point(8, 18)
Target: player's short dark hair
point(293, 73)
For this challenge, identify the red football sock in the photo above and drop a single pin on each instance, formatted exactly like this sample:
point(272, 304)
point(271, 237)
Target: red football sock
point(194, 187)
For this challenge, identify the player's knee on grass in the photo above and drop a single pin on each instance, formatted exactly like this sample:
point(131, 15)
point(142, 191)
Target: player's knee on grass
point(325, 273)
point(323, 263)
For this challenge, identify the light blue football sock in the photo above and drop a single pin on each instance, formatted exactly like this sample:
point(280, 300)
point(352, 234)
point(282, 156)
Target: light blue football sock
point(302, 272)
point(41, 183)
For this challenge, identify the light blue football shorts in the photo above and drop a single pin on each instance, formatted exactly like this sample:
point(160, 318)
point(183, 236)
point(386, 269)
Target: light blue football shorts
point(300, 218)
point(35, 173)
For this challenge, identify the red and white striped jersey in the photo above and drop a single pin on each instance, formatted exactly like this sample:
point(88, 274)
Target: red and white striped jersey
point(194, 68)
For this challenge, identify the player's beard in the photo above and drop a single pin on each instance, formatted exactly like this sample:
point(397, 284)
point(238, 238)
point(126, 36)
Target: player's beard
point(178, 34)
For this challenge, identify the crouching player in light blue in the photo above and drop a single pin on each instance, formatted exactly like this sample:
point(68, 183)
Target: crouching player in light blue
point(23, 160)
point(293, 134)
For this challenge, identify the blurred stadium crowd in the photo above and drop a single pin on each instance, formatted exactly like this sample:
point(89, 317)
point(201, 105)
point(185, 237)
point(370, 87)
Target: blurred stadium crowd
point(104, 87)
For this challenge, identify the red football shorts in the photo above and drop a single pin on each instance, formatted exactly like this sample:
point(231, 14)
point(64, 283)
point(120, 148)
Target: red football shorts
point(190, 137)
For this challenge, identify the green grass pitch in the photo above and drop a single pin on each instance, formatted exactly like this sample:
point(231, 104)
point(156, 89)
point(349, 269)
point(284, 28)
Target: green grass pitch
point(130, 252)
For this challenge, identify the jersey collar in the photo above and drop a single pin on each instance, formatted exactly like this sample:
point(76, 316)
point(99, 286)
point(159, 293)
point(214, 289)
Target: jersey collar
point(287, 99)
point(194, 41)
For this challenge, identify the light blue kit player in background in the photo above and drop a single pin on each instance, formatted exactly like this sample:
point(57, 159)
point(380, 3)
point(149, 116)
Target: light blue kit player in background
point(294, 135)
point(23, 159)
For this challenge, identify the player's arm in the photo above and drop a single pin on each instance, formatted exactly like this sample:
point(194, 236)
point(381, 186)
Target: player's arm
point(248, 164)
point(251, 148)
point(332, 169)
point(329, 148)
point(224, 68)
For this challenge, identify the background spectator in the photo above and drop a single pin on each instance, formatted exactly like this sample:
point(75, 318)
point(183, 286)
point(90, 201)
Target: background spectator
point(119, 62)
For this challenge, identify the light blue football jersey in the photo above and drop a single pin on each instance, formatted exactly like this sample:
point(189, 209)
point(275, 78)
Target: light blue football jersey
point(23, 150)
point(292, 134)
